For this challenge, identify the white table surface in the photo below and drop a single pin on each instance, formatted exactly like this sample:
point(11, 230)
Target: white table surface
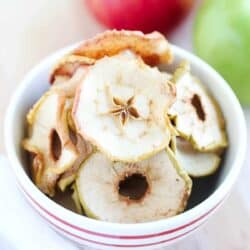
point(30, 30)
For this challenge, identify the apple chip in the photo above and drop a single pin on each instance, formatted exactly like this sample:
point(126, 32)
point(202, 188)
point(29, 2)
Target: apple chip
point(84, 150)
point(195, 163)
point(196, 115)
point(76, 200)
point(67, 66)
point(49, 140)
point(153, 48)
point(121, 107)
point(69, 85)
point(149, 190)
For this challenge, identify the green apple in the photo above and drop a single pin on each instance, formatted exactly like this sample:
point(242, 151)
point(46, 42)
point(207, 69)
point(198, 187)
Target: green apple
point(222, 38)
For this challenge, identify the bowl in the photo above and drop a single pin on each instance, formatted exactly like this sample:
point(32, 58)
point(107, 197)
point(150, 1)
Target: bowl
point(150, 235)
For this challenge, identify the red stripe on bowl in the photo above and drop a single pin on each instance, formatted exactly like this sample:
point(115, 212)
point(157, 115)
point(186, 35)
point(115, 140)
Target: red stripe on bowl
point(114, 245)
point(129, 245)
point(128, 237)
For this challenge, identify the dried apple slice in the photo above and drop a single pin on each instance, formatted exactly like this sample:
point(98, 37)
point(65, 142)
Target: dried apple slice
point(70, 120)
point(195, 163)
point(121, 107)
point(69, 85)
point(196, 115)
point(149, 190)
point(76, 199)
point(44, 178)
point(84, 150)
point(172, 143)
point(153, 48)
point(67, 67)
point(49, 140)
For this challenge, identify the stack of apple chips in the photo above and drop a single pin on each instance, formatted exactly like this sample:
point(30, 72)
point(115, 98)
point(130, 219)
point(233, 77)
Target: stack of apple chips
point(124, 135)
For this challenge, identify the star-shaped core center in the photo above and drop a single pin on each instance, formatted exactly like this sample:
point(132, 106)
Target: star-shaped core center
point(124, 109)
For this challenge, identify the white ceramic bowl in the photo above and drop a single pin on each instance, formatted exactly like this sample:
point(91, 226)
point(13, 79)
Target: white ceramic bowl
point(104, 235)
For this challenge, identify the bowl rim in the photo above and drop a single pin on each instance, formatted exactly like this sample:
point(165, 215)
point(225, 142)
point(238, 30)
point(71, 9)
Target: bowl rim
point(75, 219)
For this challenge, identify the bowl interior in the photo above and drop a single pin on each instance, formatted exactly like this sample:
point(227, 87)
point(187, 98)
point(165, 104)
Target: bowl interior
point(37, 83)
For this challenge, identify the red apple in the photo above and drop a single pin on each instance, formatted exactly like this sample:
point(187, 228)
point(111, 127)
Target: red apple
point(144, 15)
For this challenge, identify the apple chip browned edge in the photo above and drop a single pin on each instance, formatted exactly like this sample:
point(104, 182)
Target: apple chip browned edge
point(153, 47)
